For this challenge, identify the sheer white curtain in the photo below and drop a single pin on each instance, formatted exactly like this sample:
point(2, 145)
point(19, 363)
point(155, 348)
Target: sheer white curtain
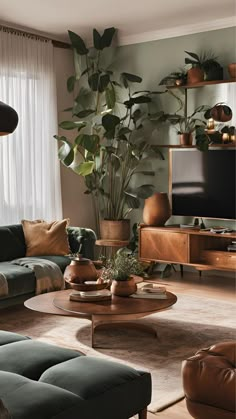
point(29, 167)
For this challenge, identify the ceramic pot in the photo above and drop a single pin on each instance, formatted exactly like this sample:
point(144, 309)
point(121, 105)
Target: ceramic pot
point(221, 113)
point(124, 288)
point(156, 209)
point(115, 230)
point(80, 270)
point(186, 138)
point(232, 70)
point(195, 75)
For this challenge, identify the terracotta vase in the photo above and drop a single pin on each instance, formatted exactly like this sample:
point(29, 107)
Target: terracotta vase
point(186, 138)
point(115, 230)
point(195, 75)
point(218, 113)
point(124, 288)
point(80, 270)
point(232, 70)
point(156, 209)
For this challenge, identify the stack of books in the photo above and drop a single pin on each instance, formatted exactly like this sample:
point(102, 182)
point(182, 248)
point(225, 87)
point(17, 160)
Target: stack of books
point(151, 291)
point(232, 247)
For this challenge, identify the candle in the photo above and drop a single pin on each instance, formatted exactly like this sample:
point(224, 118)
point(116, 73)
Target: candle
point(225, 136)
point(210, 123)
point(232, 137)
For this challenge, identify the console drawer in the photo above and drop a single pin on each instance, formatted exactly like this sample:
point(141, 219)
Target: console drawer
point(219, 259)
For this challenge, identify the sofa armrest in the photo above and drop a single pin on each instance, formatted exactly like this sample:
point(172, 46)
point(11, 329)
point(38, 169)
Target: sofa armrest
point(86, 236)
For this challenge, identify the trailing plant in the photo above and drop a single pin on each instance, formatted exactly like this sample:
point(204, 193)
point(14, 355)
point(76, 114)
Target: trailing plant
point(110, 121)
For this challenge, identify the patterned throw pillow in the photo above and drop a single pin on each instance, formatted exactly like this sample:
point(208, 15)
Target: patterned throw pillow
point(43, 239)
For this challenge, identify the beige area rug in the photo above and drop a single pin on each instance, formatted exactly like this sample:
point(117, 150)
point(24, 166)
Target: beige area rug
point(192, 323)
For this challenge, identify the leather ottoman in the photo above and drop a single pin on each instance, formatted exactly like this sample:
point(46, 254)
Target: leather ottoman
point(209, 380)
point(38, 380)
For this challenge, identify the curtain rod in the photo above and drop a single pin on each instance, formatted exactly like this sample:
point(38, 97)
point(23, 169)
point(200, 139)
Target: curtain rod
point(55, 43)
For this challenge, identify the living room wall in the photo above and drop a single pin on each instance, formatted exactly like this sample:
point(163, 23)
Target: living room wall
point(152, 61)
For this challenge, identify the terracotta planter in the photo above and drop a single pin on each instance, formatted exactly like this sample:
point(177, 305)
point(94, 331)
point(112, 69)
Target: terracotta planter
point(232, 70)
point(195, 75)
point(80, 270)
point(115, 230)
point(186, 138)
point(124, 288)
point(156, 209)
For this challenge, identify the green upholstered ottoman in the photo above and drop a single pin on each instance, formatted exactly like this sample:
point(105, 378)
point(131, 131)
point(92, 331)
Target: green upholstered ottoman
point(42, 381)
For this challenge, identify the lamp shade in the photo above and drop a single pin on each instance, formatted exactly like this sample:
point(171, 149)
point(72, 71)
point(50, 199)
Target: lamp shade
point(8, 119)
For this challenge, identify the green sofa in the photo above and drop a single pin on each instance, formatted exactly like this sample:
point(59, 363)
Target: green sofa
point(21, 280)
point(42, 381)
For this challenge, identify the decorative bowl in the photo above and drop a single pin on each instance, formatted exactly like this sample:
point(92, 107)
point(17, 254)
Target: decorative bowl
point(89, 286)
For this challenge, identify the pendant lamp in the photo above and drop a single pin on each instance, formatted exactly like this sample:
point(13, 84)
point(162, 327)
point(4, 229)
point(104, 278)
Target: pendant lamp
point(8, 119)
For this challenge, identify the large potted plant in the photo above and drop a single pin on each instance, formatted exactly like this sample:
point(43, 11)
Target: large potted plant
point(110, 120)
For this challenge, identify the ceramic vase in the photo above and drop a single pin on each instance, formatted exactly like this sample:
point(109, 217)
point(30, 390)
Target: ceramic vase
point(186, 138)
point(124, 288)
point(80, 270)
point(232, 70)
point(115, 230)
point(195, 75)
point(156, 209)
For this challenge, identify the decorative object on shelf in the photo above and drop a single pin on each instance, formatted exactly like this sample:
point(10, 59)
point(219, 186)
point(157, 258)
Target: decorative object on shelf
point(228, 134)
point(80, 270)
point(122, 270)
point(204, 67)
point(115, 229)
point(232, 70)
point(110, 136)
point(8, 119)
point(221, 112)
point(210, 124)
point(157, 209)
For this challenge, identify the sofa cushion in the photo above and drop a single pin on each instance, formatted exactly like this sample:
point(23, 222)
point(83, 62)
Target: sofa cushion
point(31, 358)
point(10, 337)
point(44, 238)
point(11, 247)
point(20, 280)
point(27, 399)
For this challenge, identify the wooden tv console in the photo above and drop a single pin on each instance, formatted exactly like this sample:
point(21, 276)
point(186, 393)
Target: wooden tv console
point(201, 249)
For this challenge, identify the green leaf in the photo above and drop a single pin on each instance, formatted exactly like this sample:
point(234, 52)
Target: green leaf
point(129, 103)
point(110, 96)
point(144, 191)
point(68, 110)
point(65, 152)
point(97, 40)
point(141, 99)
point(131, 77)
point(71, 83)
point(108, 36)
point(136, 115)
point(193, 55)
point(103, 82)
point(88, 142)
point(93, 81)
point(71, 124)
point(131, 201)
point(124, 131)
point(84, 113)
point(78, 43)
point(85, 168)
point(109, 121)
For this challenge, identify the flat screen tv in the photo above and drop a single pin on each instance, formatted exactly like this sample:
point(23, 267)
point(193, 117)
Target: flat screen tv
point(202, 184)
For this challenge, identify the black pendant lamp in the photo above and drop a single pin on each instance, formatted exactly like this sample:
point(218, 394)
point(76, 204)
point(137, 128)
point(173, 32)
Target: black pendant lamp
point(8, 119)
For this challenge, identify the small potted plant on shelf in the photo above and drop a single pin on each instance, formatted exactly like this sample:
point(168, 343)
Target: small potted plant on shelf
point(121, 270)
point(188, 124)
point(176, 78)
point(203, 67)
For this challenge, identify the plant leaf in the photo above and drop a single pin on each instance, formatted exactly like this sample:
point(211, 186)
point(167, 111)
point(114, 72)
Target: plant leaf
point(93, 81)
point(141, 99)
point(108, 36)
point(110, 97)
point(103, 82)
point(78, 43)
point(97, 40)
point(71, 83)
point(131, 201)
point(85, 168)
point(65, 152)
point(71, 124)
point(131, 77)
point(193, 55)
point(84, 113)
point(144, 191)
point(109, 121)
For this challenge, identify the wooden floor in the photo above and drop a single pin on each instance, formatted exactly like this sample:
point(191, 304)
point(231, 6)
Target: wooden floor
point(219, 286)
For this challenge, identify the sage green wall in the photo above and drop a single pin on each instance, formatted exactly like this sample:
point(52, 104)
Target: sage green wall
point(154, 60)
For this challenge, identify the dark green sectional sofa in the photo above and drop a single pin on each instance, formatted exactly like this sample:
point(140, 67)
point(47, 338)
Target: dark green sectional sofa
point(42, 381)
point(21, 280)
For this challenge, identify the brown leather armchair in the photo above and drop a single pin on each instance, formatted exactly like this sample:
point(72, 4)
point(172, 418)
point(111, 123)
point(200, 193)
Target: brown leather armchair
point(209, 381)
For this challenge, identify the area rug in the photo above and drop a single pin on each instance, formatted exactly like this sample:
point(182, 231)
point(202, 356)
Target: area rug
point(192, 323)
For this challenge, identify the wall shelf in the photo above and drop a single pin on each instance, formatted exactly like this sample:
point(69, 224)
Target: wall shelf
point(201, 84)
point(230, 145)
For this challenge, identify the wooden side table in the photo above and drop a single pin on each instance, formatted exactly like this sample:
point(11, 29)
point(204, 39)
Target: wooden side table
point(109, 247)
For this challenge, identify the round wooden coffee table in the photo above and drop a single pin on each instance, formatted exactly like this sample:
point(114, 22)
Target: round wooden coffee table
point(115, 311)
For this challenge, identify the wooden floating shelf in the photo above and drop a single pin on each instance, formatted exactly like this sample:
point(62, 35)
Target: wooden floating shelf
point(201, 84)
point(230, 145)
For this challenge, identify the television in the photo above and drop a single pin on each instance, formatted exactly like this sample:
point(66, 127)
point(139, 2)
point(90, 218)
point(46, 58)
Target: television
point(202, 184)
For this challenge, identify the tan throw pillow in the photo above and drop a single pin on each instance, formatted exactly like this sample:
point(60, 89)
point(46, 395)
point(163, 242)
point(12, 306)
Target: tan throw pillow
point(43, 239)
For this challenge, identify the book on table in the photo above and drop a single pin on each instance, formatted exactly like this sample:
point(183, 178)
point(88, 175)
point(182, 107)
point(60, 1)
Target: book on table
point(151, 291)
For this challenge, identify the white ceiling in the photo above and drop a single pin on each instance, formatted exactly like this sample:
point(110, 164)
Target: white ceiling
point(136, 20)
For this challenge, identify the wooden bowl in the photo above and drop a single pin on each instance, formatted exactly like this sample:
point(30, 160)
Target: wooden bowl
point(87, 287)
